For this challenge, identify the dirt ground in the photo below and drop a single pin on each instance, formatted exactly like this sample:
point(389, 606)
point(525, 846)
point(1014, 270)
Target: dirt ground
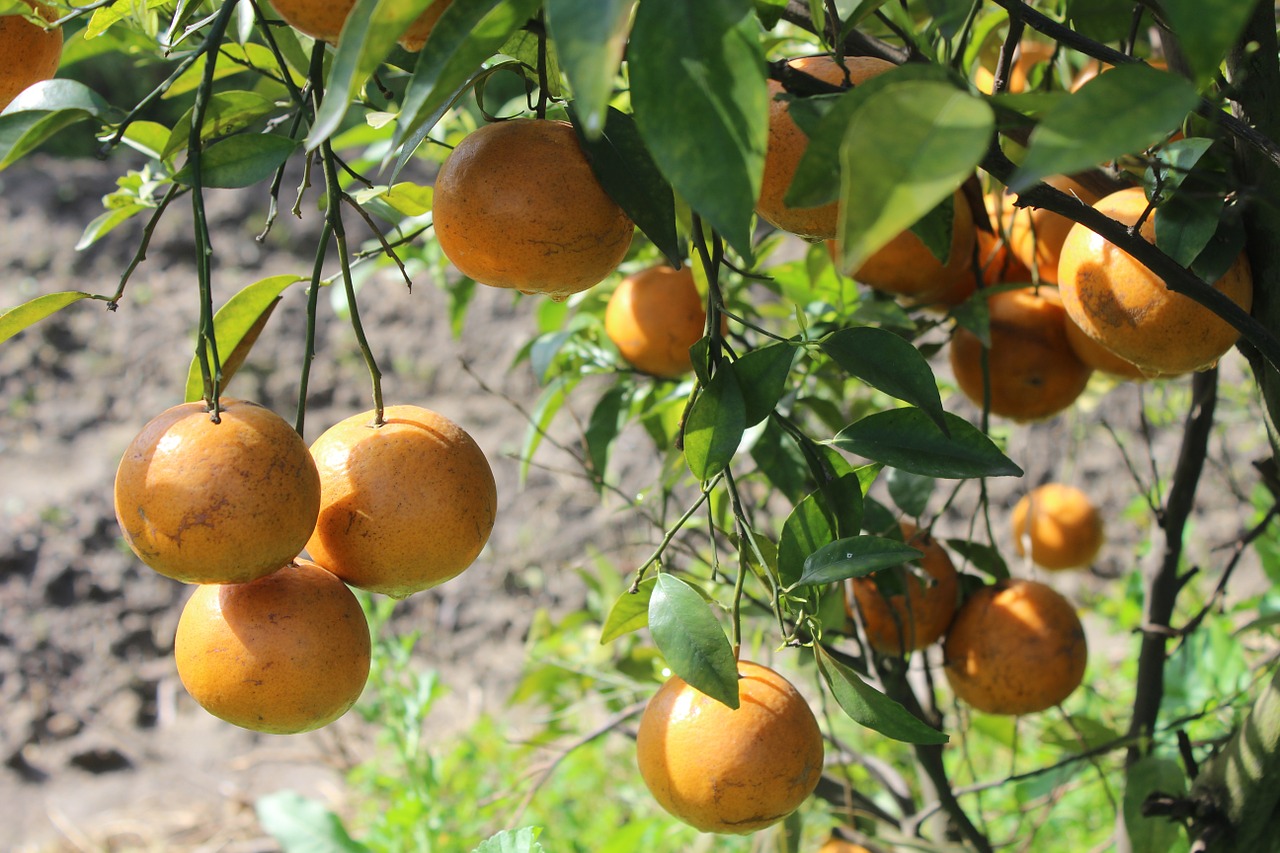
point(101, 747)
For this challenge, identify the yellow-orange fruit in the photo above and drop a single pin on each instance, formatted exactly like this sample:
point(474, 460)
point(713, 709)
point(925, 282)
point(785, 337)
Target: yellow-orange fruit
point(787, 144)
point(286, 653)
point(905, 623)
point(1016, 647)
point(724, 770)
point(1027, 56)
point(1100, 358)
point(1036, 235)
point(28, 53)
point(1033, 371)
point(517, 205)
point(217, 503)
point(1061, 525)
point(906, 268)
point(1129, 310)
point(404, 506)
point(839, 845)
point(653, 317)
point(324, 19)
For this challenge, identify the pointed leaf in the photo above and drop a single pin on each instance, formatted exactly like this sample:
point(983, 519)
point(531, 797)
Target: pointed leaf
point(908, 439)
point(817, 521)
point(762, 375)
point(589, 36)
point(236, 327)
point(871, 708)
point(982, 557)
point(910, 492)
point(512, 841)
point(303, 825)
point(629, 613)
point(42, 110)
point(700, 100)
point(28, 313)
point(715, 426)
point(855, 557)
point(606, 422)
point(888, 363)
point(1206, 30)
point(240, 161)
point(226, 113)
point(690, 638)
point(104, 223)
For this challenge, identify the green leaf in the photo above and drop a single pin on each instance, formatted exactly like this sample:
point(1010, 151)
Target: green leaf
point(513, 841)
point(227, 113)
point(40, 111)
point(1206, 30)
point(1185, 224)
point(906, 149)
point(715, 426)
point(690, 638)
point(911, 492)
point(589, 36)
point(869, 707)
point(29, 313)
point(1147, 775)
point(244, 59)
point(982, 557)
point(908, 439)
point(1127, 109)
point(550, 401)
point(105, 222)
point(700, 100)
point(236, 327)
point(240, 161)
point(1173, 163)
point(888, 363)
point(607, 420)
point(628, 174)
point(629, 613)
point(855, 557)
point(817, 521)
point(104, 17)
point(302, 825)
point(762, 375)
point(404, 197)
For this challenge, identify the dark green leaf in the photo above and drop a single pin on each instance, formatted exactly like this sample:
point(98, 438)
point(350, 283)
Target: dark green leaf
point(819, 519)
point(855, 557)
point(1127, 109)
point(911, 492)
point(28, 313)
point(236, 327)
point(589, 36)
point(936, 229)
point(42, 110)
point(1101, 20)
point(984, 558)
point(1173, 163)
point(607, 420)
point(907, 439)
point(762, 376)
point(227, 113)
point(1206, 30)
point(715, 426)
point(1185, 225)
point(512, 841)
point(889, 363)
point(302, 825)
point(240, 161)
point(869, 707)
point(699, 95)
point(1149, 774)
point(781, 461)
point(629, 613)
point(690, 638)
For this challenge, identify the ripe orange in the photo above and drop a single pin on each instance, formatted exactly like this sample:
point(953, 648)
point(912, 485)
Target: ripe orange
point(1036, 235)
point(1027, 56)
point(1033, 371)
point(516, 205)
point(29, 53)
point(905, 267)
point(653, 318)
point(924, 612)
point(730, 771)
point(1061, 525)
point(286, 653)
point(787, 144)
point(1016, 647)
point(1129, 310)
point(404, 506)
point(839, 845)
point(323, 19)
point(217, 503)
point(1100, 358)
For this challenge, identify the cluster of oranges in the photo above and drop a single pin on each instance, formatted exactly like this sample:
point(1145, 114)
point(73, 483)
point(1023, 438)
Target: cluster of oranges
point(268, 640)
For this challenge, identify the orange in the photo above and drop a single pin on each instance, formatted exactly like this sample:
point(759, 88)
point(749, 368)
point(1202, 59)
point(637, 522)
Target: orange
point(323, 19)
point(1036, 235)
point(28, 53)
point(1016, 647)
point(404, 506)
point(217, 503)
point(924, 611)
point(724, 770)
point(905, 267)
point(516, 205)
point(1061, 525)
point(839, 845)
point(996, 263)
point(1033, 371)
point(787, 144)
point(286, 653)
point(1026, 57)
point(1100, 358)
point(1129, 310)
point(653, 317)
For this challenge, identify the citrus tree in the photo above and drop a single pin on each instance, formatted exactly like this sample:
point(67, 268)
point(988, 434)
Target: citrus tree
point(1052, 192)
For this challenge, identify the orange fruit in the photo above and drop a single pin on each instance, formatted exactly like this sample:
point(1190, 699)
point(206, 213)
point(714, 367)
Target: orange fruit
point(217, 503)
point(1061, 525)
point(839, 845)
point(1129, 310)
point(29, 52)
point(724, 770)
point(1033, 371)
point(1016, 647)
point(923, 613)
point(286, 653)
point(787, 144)
point(324, 19)
point(1026, 57)
point(905, 267)
point(1100, 358)
point(1036, 235)
point(653, 317)
point(516, 205)
point(404, 506)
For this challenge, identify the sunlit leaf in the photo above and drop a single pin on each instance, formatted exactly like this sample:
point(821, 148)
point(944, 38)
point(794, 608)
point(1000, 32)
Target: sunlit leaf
point(40, 111)
point(715, 426)
point(869, 707)
point(629, 613)
point(28, 313)
point(762, 375)
point(690, 638)
point(906, 438)
point(855, 557)
point(240, 161)
point(887, 362)
point(303, 825)
point(237, 325)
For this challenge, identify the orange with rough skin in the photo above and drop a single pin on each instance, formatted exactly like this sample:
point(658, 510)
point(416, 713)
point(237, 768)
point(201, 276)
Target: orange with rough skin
point(324, 19)
point(1061, 525)
point(1033, 371)
point(653, 317)
point(906, 268)
point(217, 503)
point(730, 771)
point(404, 506)
point(924, 611)
point(1128, 309)
point(1036, 235)
point(517, 205)
point(1015, 647)
point(28, 53)
point(1027, 56)
point(286, 653)
point(787, 145)
point(1100, 358)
